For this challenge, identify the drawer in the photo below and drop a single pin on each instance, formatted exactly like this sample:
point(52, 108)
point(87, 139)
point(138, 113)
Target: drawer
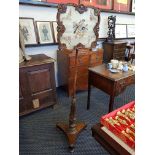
point(81, 71)
point(121, 54)
point(121, 85)
point(82, 60)
point(118, 46)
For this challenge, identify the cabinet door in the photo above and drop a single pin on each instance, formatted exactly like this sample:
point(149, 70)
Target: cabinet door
point(41, 83)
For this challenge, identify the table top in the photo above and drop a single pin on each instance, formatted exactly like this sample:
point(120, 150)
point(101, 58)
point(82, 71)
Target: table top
point(104, 72)
point(36, 60)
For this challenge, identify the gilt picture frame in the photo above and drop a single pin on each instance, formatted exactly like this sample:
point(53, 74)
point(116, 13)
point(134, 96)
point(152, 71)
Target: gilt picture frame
point(101, 4)
point(122, 5)
point(45, 33)
point(29, 30)
point(78, 26)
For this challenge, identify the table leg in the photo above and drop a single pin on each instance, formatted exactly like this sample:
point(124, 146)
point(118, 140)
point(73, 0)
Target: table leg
point(89, 92)
point(111, 102)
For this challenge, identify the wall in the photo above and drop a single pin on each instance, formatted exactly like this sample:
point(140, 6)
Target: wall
point(49, 14)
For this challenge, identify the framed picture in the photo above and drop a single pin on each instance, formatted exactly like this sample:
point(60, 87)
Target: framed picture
point(120, 31)
point(101, 4)
point(77, 26)
point(63, 1)
point(44, 32)
point(28, 30)
point(131, 31)
point(87, 2)
point(122, 5)
point(104, 4)
point(133, 6)
point(55, 32)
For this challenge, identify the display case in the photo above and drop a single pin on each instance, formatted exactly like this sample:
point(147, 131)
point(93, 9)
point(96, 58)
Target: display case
point(121, 122)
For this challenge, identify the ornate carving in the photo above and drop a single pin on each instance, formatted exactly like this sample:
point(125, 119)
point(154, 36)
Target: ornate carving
point(111, 27)
point(78, 46)
point(62, 46)
point(81, 8)
point(96, 12)
point(93, 44)
point(62, 8)
point(80, 27)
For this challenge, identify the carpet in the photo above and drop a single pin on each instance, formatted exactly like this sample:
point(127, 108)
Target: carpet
point(38, 134)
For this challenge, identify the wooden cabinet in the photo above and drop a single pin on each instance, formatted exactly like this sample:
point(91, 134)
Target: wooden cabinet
point(114, 50)
point(66, 67)
point(37, 87)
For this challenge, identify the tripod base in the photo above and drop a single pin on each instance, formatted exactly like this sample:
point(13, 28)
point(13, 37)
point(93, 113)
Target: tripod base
point(71, 135)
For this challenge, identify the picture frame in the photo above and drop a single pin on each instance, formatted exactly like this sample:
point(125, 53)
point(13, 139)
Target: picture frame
point(78, 26)
point(120, 31)
point(45, 33)
point(63, 1)
point(55, 32)
point(130, 30)
point(29, 30)
point(133, 6)
point(101, 4)
point(87, 2)
point(122, 5)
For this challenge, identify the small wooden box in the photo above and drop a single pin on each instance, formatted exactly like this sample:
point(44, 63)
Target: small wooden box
point(114, 50)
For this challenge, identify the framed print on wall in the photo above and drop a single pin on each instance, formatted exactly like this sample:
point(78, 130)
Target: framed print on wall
point(122, 5)
point(120, 31)
point(28, 30)
point(55, 32)
point(103, 4)
point(131, 31)
point(44, 32)
point(87, 2)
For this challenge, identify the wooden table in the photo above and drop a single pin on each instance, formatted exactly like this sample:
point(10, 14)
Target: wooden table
point(111, 83)
point(110, 142)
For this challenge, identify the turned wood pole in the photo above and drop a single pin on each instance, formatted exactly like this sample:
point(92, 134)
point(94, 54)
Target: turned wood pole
point(72, 115)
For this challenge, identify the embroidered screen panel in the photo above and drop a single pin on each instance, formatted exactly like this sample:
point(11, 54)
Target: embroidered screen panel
point(77, 26)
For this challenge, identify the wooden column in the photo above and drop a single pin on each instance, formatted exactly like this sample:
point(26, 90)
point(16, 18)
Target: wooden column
point(72, 129)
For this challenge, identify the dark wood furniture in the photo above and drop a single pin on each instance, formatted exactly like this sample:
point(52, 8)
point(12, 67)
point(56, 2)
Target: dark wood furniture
point(111, 83)
point(114, 50)
point(73, 128)
point(36, 84)
point(66, 67)
point(113, 147)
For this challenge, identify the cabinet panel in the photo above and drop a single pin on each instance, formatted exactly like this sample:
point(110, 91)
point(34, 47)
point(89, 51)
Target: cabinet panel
point(37, 80)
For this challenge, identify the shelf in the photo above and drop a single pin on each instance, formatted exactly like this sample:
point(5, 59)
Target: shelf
point(40, 45)
point(45, 4)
